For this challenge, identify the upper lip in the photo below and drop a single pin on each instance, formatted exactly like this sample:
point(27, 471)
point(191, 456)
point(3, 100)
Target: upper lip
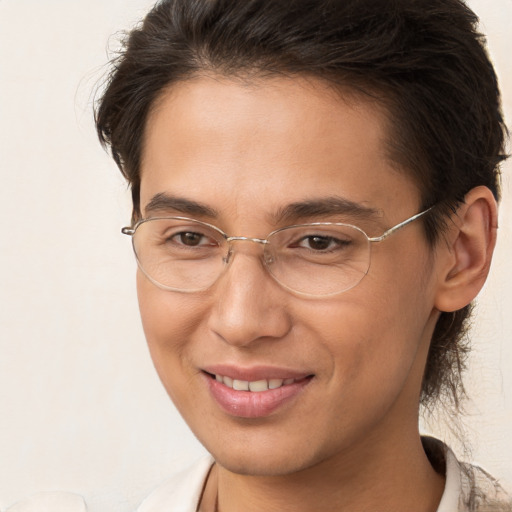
point(255, 373)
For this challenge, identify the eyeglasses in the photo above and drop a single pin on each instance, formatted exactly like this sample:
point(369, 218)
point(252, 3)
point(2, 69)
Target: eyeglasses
point(317, 260)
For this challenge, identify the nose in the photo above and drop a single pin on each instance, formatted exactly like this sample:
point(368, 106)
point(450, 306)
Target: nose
point(248, 304)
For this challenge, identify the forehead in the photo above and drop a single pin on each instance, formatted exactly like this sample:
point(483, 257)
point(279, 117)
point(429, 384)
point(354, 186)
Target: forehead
point(249, 146)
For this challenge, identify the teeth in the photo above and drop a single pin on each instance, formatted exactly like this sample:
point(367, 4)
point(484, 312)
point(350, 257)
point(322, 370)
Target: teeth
point(258, 385)
point(254, 386)
point(240, 385)
point(275, 383)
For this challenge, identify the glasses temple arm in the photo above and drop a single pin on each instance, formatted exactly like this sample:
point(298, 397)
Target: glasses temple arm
point(390, 231)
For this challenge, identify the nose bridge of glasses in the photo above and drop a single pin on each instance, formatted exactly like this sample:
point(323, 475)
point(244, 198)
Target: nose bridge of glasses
point(231, 239)
point(246, 239)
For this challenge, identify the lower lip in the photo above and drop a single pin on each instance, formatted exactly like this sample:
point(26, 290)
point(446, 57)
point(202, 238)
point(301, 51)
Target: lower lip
point(248, 404)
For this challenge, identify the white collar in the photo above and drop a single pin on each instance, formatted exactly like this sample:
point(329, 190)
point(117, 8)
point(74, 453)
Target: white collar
point(450, 501)
point(180, 493)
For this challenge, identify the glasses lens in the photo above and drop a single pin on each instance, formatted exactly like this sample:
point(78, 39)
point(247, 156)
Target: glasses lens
point(321, 259)
point(179, 254)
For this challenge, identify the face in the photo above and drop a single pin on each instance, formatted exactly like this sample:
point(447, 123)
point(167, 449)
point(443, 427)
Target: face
point(347, 367)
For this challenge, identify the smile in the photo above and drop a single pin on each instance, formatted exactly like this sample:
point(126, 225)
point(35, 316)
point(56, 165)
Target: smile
point(256, 386)
point(255, 398)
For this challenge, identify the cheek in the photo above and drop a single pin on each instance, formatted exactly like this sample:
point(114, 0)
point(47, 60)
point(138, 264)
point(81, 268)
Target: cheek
point(368, 337)
point(168, 319)
point(377, 332)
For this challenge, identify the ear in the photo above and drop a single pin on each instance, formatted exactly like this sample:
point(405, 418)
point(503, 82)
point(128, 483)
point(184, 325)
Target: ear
point(465, 257)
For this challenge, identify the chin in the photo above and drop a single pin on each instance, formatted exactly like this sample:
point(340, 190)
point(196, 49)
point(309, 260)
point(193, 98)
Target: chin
point(259, 455)
point(258, 466)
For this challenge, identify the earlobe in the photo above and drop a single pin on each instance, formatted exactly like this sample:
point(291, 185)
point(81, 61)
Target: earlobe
point(465, 259)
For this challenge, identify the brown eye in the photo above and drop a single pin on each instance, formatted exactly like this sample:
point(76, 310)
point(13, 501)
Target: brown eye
point(319, 243)
point(189, 238)
point(322, 243)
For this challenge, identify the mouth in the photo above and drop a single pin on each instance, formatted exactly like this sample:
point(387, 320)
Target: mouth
point(255, 386)
point(255, 398)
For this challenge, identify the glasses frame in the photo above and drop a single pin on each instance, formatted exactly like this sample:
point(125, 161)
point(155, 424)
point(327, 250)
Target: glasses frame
point(130, 231)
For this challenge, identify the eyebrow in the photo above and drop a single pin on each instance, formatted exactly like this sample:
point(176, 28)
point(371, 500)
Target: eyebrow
point(324, 207)
point(293, 212)
point(162, 203)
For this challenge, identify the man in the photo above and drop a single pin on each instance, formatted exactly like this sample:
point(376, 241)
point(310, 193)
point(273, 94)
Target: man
point(314, 209)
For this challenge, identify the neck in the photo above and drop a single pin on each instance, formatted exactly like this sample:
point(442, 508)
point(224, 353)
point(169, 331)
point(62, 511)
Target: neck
point(391, 477)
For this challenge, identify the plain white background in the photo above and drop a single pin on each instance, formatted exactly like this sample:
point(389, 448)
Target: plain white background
point(81, 408)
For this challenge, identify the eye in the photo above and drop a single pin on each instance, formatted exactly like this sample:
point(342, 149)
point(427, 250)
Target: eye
point(322, 243)
point(192, 239)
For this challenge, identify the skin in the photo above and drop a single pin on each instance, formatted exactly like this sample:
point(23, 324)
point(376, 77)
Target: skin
point(350, 440)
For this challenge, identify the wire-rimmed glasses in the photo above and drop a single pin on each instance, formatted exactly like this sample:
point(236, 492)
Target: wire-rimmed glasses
point(318, 259)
